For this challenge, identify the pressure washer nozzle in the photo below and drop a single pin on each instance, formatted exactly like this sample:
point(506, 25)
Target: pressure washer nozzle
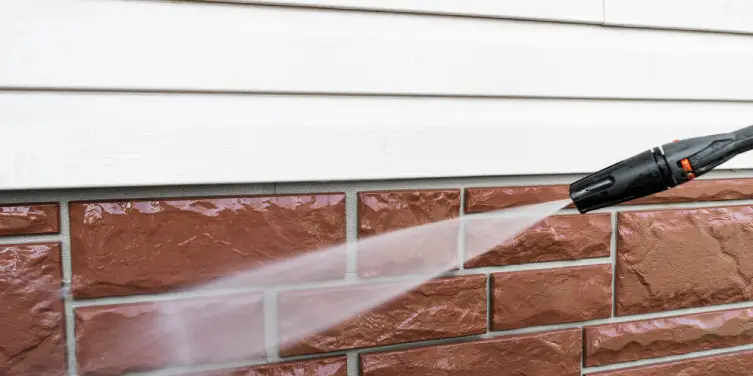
point(658, 169)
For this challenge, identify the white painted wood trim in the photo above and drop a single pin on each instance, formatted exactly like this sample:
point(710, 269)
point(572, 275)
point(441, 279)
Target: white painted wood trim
point(588, 11)
point(157, 45)
point(711, 15)
point(61, 140)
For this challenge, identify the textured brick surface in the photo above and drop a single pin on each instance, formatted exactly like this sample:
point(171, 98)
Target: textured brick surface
point(479, 200)
point(562, 237)
point(667, 259)
point(112, 340)
point(32, 334)
point(317, 367)
point(493, 198)
point(408, 252)
point(29, 219)
point(550, 296)
point(735, 364)
point(443, 308)
point(615, 343)
point(542, 354)
point(132, 247)
point(703, 190)
point(675, 259)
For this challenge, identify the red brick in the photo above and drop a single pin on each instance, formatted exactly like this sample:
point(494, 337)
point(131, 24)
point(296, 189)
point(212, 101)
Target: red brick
point(134, 247)
point(494, 198)
point(735, 364)
point(336, 366)
point(429, 251)
point(479, 200)
point(703, 190)
point(562, 237)
point(32, 339)
point(551, 296)
point(623, 342)
point(441, 308)
point(22, 219)
point(674, 259)
point(116, 339)
point(541, 354)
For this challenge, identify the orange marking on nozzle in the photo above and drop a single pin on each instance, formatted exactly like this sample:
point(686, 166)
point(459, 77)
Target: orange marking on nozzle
point(687, 168)
point(686, 165)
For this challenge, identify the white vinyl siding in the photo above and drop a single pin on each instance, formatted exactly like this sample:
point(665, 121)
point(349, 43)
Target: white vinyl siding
point(712, 15)
point(144, 92)
point(590, 11)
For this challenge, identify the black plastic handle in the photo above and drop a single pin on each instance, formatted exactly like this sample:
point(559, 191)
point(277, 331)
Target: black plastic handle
point(706, 153)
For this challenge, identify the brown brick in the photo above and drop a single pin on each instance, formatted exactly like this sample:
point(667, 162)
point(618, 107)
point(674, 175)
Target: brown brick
point(29, 219)
point(32, 339)
point(133, 247)
point(479, 200)
point(494, 198)
point(336, 366)
point(676, 259)
point(442, 308)
point(623, 342)
point(562, 237)
point(407, 252)
point(735, 364)
point(541, 354)
point(116, 339)
point(703, 190)
point(551, 296)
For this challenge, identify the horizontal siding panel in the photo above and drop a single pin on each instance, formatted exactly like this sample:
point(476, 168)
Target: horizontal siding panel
point(201, 46)
point(710, 15)
point(58, 140)
point(590, 11)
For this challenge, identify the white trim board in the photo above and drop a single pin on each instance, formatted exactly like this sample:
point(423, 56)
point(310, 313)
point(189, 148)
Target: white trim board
point(158, 45)
point(711, 15)
point(588, 11)
point(63, 140)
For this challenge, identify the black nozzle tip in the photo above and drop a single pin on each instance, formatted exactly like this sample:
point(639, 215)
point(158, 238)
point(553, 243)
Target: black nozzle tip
point(592, 192)
point(635, 177)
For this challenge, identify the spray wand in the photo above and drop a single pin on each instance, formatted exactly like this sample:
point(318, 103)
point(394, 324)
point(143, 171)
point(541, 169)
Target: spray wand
point(658, 169)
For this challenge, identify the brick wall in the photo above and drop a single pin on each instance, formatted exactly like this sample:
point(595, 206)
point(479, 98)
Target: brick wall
point(662, 286)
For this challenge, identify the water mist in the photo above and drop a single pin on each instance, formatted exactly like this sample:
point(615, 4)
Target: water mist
point(216, 328)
